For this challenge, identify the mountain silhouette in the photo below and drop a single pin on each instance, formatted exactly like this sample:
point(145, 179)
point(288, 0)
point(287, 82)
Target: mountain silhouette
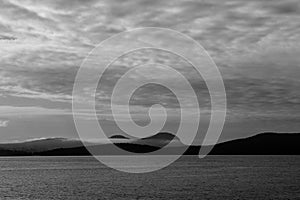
point(39, 145)
point(161, 136)
point(147, 144)
point(118, 137)
point(261, 144)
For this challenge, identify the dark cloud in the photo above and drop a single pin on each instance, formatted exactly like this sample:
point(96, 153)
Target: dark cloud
point(285, 7)
point(5, 37)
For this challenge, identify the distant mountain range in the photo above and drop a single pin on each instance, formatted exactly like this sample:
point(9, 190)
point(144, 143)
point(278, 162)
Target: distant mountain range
point(261, 144)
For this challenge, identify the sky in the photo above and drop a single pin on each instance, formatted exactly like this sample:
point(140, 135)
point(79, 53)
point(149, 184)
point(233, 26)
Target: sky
point(255, 45)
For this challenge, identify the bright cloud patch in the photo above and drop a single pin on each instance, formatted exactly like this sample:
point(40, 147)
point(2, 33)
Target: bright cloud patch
point(4, 123)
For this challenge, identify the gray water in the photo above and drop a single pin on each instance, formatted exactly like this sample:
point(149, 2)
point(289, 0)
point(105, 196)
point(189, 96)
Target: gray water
point(215, 177)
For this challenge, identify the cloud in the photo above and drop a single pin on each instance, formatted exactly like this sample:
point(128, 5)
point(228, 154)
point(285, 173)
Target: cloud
point(4, 123)
point(31, 111)
point(6, 37)
point(254, 43)
point(286, 7)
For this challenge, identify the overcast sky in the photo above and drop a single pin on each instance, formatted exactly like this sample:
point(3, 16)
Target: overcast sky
point(255, 44)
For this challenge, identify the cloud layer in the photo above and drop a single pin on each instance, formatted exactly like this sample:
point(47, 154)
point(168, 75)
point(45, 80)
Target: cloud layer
point(254, 43)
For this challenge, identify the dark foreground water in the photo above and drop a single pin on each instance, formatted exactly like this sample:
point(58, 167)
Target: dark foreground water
point(215, 177)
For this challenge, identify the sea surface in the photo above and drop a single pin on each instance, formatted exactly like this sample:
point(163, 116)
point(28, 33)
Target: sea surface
point(214, 177)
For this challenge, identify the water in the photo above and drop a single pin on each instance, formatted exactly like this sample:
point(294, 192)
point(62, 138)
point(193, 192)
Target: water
point(215, 177)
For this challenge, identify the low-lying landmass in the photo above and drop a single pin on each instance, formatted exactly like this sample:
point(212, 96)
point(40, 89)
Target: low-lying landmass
point(261, 144)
